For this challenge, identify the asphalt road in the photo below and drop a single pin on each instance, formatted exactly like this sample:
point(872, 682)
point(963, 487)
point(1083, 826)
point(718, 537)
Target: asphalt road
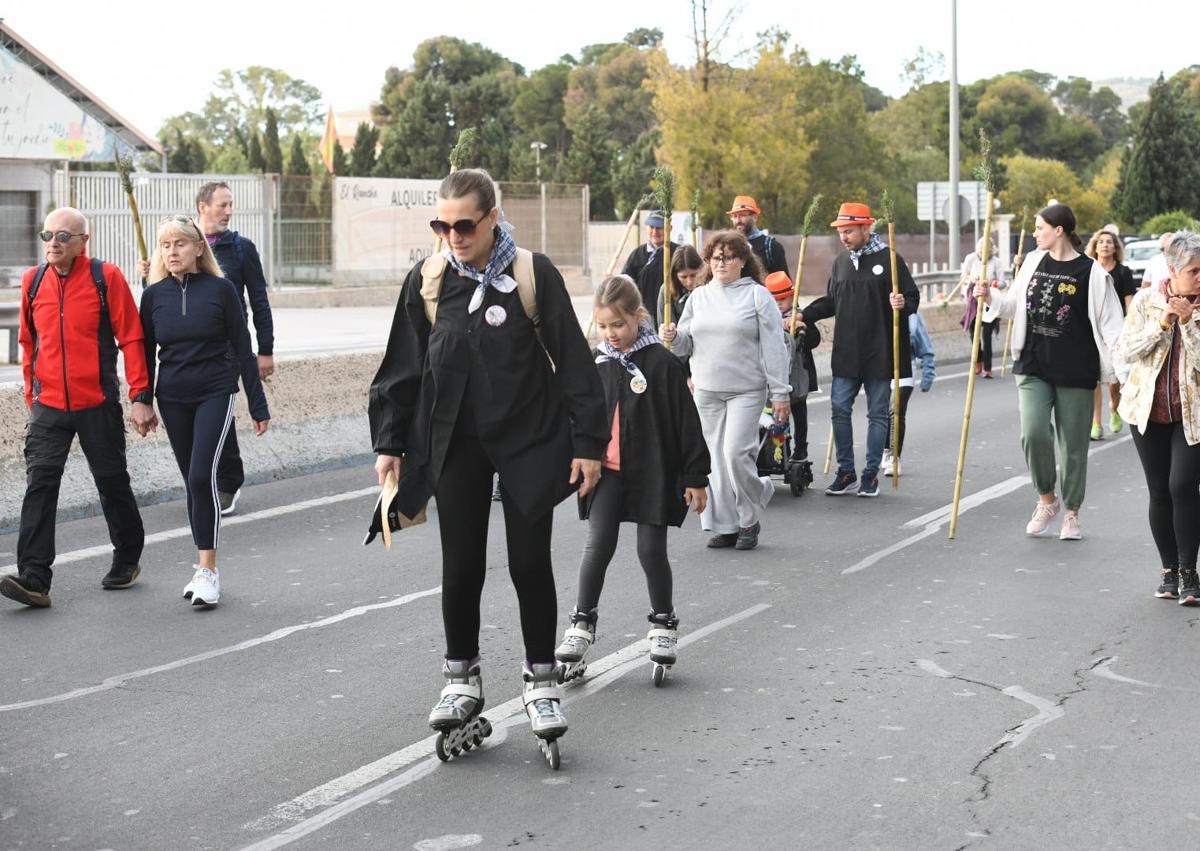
point(858, 681)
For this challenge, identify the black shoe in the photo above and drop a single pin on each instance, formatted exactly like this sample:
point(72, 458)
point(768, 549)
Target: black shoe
point(720, 542)
point(747, 538)
point(1168, 588)
point(842, 484)
point(869, 486)
point(1189, 587)
point(121, 576)
point(29, 591)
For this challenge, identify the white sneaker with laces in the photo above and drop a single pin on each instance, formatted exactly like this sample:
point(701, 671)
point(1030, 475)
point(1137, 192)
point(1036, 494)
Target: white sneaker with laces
point(886, 464)
point(1070, 527)
point(1042, 515)
point(190, 588)
point(206, 588)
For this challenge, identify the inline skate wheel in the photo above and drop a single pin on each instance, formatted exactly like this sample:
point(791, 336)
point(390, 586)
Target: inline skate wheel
point(659, 674)
point(550, 749)
point(440, 747)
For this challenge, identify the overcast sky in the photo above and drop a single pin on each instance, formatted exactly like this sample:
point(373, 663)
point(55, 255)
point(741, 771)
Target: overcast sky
point(149, 60)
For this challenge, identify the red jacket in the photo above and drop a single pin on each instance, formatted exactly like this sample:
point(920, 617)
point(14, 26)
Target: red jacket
point(69, 361)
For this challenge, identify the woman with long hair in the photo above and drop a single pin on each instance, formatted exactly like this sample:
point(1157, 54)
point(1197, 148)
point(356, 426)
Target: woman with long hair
point(972, 268)
point(1066, 318)
point(193, 322)
point(732, 330)
point(1106, 249)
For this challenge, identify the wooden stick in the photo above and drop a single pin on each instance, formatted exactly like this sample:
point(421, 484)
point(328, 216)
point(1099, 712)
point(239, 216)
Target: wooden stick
point(895, 361)
point(829, 450)
point(976, 337)
point(796, 285)
point(667, 271)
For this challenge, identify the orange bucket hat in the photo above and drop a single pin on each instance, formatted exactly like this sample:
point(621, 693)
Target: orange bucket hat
point(851, 213)
point(780, 286)
point(744, 204)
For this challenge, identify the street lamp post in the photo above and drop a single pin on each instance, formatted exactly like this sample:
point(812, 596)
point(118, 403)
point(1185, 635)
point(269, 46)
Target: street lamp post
point(538, 147)
point(952, 219)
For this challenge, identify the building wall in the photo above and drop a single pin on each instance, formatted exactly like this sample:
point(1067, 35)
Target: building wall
point(20, 241)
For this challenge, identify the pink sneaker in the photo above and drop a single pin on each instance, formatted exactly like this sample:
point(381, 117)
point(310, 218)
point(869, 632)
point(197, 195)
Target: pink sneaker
point(1070, 527)
point(1042, 515)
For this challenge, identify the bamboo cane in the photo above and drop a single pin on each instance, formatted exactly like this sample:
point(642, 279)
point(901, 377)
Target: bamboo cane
point(695, 219)
point(1009, 330)
point(805, 229)
point(664, 199)
point(888, 214)
point(829, 451)
point(123, 166)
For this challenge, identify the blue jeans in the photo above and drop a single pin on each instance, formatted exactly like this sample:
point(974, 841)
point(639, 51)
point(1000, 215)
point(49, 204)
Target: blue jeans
point(841, 399)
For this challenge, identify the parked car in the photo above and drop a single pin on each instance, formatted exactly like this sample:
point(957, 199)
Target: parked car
point(1139, 253)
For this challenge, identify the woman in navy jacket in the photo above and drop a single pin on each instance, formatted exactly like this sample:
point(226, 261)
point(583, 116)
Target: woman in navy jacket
point(192, 319)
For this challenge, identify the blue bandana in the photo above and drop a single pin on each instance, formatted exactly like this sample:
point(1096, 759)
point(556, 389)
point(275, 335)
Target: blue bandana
point(645, 337)
point(873, 244)
point(504, 251)
point(754, 234)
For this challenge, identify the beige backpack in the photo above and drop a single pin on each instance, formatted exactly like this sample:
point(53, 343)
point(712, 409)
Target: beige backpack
point(433, 272)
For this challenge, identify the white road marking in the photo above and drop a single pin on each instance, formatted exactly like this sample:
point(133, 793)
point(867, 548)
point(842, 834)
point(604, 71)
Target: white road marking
point(1047, 711)
point(933, 520)
point(186, 531)
point(931, 667)
point(601, 673)
point(281, 633)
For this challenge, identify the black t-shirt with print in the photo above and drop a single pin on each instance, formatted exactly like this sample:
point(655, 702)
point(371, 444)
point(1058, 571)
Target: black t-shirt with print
point(1060, 347)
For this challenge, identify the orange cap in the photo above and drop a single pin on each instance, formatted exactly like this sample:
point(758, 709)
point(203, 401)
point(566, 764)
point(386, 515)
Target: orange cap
point(780, 286)
point(850, 214)
point(744, 204)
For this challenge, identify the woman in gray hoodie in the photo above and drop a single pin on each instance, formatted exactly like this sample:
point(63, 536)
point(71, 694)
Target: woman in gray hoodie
point(732, 331)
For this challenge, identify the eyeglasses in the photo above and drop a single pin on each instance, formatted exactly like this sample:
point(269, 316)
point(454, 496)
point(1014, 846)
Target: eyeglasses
point(63, 236)
point(463, 227)
point(722, 260)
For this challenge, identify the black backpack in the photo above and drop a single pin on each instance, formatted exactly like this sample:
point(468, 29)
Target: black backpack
point(101, 289)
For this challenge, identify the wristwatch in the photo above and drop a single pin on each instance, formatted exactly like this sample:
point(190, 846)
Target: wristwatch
point(145, 397)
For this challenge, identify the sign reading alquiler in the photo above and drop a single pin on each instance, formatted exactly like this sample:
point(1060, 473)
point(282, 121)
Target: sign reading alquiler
point(381, 228)
point(38, 122)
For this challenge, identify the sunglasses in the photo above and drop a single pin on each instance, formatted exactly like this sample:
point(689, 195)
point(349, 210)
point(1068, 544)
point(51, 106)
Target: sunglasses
point(463, 227)
point(63, 236)
point(183, 220)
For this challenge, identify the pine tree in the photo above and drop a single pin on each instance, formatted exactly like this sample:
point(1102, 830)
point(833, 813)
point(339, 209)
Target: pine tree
point(298, 183)
point(255, 155)
point(339, 159)
point(1162, 170)
point(272, 152)
point(362, 155)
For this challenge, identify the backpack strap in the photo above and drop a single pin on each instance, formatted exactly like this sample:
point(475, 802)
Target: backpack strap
point(36, 282)
point(527, 285)
point(433, 272)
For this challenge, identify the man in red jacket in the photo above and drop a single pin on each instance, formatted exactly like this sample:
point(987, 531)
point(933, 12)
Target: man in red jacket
point(79, 313)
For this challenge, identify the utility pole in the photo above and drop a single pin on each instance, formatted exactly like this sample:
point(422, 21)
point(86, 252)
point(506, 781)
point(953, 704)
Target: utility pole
point(538, 147)
point(952, 219)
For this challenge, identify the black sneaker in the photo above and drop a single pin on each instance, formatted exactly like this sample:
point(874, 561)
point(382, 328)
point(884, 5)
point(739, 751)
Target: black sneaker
point(1189, 587)
point(29, 591)
point(842, 484)
point(121, 576)
point(1168, 588)
point(747, 539)
point(869, 486)
point(720, 542)
point(228, 501)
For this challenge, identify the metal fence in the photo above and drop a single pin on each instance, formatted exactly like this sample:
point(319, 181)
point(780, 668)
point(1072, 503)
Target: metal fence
point(551, 218)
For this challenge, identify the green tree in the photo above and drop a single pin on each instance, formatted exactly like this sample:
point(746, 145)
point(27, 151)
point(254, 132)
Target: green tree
point(298, 182)
point(272, 151)
point(1169, 222)
point(630, 171)
point(185, 156)
point(537, 115)
point(418, 143)
point(230, 159)
point(254, 155)
point(1101, 107)
point(362, 154)
point(340, 165)
point(1162, 171)
point(590, 159)
point(1032, 182)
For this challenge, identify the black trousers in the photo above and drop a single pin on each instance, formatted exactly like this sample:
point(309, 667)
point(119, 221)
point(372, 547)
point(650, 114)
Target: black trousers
point(985, 342)
point(230, 473)
point(799, 429)
point(1173, 478)
point(604, 525)
point(905, 394)
point(197, 431)
point(48, 438)
point(464, 501)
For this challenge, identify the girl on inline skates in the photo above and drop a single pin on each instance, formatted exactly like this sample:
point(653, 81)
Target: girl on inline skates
point(655, 468)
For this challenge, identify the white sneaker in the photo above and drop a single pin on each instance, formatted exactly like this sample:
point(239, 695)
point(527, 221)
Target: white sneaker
point(206, 588)
point(190, 588)
point(886, 464)
point(1042, 515)
point(1070, 527)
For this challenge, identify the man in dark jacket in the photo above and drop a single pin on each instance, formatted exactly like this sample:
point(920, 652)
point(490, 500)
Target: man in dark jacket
point(645, 263)
point(860, 296)
point(744, 216)
point(75, 313)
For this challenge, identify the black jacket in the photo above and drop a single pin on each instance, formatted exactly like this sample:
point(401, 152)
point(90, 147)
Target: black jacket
point(492, 381)
point(240, 262)
point(646, 269)
point(662, 444)
point(862, 340)
point(770, 252)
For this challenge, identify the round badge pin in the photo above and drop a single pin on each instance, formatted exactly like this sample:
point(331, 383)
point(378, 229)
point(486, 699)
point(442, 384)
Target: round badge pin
point(495, 315)
point(638, 384)
point(877, 269)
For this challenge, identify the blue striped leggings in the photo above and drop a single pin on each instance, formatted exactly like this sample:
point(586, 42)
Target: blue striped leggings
point(197, 431)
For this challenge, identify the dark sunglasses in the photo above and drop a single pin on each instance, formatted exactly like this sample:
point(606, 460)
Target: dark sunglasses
point(463, 227)
point(63, 236)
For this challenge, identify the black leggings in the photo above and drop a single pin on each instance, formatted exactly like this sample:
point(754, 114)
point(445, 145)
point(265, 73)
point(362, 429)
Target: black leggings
point(985, 342)
point(1173, 479)
point(905, 395)
point(799, 429)
point(197, 431)
point(464, 502)
point(604, 523)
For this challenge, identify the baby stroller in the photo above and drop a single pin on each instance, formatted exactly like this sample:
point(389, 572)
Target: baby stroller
point(775, 452)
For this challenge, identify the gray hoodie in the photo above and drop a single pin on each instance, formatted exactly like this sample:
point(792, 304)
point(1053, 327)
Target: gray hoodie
point(734, 335)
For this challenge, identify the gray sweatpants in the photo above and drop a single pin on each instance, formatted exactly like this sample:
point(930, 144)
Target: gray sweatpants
point(737, 494)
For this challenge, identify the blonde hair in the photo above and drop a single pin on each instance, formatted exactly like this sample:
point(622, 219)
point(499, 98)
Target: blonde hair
point(1118, 247)
point(620, 293)
point(186, 227)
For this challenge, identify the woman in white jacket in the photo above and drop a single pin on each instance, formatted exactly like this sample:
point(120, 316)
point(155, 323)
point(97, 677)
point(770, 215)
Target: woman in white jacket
point(1066, 319)
point(732, 330)
point(1158, 355)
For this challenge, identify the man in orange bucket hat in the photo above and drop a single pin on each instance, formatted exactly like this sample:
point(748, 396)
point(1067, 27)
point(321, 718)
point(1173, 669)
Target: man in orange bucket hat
point(744, 216)
point(859, 294)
